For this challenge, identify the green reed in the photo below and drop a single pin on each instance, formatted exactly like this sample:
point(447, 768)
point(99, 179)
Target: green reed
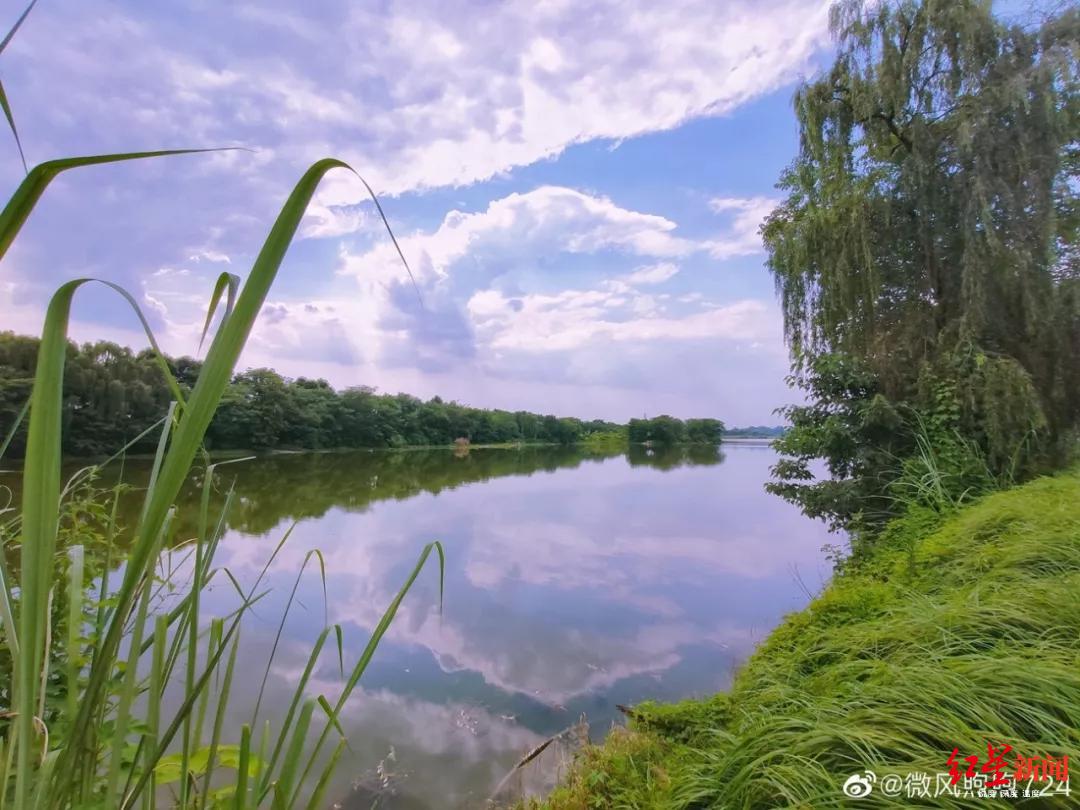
point(106, 742)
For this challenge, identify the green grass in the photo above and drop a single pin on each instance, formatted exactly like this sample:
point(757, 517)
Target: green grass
point(947, 634)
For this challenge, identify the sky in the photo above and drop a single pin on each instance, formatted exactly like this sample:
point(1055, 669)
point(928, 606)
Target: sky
point(577, 187)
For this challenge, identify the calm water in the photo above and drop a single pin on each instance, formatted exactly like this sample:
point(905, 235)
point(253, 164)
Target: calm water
point(573, 583)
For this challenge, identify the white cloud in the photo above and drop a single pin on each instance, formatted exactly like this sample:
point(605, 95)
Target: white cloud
point(506, 281)
point(536, 78)
point(652, 274)
point(574, 318)
point(743, 237)
point(457, 263)
point(414, 96)
point(549, 218)
point(208, 255)
point(156, 304)
point(323, 221)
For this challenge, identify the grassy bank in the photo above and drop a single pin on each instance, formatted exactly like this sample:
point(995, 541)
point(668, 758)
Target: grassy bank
point(946, 635)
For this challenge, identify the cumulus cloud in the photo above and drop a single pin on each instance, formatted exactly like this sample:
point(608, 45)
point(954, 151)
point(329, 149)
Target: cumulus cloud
point(324, 221)
point(526, 80)
point(744, 233)
point(573, 318)
point(481, 296)
point(551, 218)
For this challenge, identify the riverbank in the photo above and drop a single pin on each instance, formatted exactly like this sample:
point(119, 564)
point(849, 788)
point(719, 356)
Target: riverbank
point(946, 636)
point(603, 443)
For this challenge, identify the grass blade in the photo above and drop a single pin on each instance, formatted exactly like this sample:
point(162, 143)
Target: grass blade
point(219, 717)
point(317, 800)
point(41, 499)
point(17, 25)
point(156, 689)
point(14, 428)
point(75, 621)
point(240, 799)
point(3, 94)
point(227, 283)
point(11, 125)
point(373, 643)
point(286, 723)
point(22, 202)
point(291, 762)
point(281, 629)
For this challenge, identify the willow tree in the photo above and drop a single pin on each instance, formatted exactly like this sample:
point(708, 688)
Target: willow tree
point(926, 253)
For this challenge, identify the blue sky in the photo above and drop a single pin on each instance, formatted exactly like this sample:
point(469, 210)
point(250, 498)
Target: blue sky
point(577, 186)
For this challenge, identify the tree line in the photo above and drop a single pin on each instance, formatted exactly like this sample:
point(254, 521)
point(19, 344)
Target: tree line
point(669, 430)
point(927, 259)
point(113, 394)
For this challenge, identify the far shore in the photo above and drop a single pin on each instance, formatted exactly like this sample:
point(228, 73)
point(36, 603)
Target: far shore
point(232, 453)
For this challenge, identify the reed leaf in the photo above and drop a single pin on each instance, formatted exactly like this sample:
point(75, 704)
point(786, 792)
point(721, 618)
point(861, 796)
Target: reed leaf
point(6, 106)
point(227, 284)
point(18, 24)
point(3, 93)
point(217, 369)
point(26, 196)
point(66, 777)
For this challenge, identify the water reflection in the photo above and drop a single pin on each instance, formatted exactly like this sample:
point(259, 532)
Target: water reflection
point(574, 581)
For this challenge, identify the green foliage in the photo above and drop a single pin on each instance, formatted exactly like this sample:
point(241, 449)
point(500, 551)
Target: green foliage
point(926, 252)
point(607, 440)
point(112, 395)
point(666, 429)
point(946, 634)
point(852, 426)
point(704, 431)
point(629, 771)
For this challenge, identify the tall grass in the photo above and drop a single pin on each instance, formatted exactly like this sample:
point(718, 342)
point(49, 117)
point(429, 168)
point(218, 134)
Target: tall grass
point(944, 471)
point(110, 745)
point(135, 652)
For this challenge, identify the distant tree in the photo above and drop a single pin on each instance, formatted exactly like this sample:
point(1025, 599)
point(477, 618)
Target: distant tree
point(669, 430)
point(704, 431)
point(362, 423)
point(504, 427)
point(312, 415)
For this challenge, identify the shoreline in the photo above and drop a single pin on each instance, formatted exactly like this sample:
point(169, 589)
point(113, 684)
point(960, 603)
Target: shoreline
point(283, 451)
point(907, 654)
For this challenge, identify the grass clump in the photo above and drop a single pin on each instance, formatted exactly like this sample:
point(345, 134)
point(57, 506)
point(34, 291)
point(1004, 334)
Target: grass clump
point(936, 638)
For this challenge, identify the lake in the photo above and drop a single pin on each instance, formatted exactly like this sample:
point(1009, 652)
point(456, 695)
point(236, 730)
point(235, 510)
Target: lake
point(575, 581)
